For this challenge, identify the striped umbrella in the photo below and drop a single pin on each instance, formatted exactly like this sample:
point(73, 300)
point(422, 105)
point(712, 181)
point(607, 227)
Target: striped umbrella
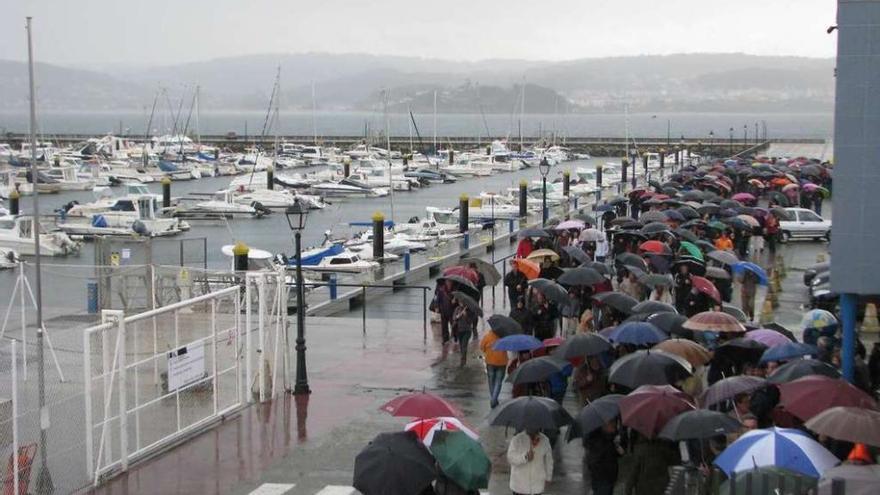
point(818, 319)
point(781, 447)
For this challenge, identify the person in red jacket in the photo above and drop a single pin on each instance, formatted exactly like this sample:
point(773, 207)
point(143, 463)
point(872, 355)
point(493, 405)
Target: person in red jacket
point(524, 248)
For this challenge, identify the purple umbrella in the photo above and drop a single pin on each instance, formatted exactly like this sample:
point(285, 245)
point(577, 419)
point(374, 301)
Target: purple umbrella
point(770, 338)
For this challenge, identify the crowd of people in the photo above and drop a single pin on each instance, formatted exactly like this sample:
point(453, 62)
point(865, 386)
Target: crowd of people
point(653, 275)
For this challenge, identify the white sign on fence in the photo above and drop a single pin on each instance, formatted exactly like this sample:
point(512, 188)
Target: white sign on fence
point(186, 365)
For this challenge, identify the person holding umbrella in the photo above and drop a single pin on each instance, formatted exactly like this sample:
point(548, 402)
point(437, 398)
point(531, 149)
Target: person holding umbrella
point(531, 462)
point(496, 361)
point(516, 283)
point(464, 322)
point(442, 304)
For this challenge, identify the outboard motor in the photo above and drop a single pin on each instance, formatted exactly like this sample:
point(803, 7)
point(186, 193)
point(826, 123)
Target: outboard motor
point(261, 210)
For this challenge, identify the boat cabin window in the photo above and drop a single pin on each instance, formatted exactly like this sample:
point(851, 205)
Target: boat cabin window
point(145, 205)
point(340, 261)
point(25, 227)
point(123, 205)
point(7, 224)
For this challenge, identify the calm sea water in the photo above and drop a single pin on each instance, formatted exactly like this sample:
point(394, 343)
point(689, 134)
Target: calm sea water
point(779, 125)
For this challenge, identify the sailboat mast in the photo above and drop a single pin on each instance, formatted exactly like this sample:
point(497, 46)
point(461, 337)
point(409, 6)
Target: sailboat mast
point(522, 114)
point(198, 111)
point(626, 130)
point(314, 115)
point(145, 155)
point(435, 122)
point(388, 147)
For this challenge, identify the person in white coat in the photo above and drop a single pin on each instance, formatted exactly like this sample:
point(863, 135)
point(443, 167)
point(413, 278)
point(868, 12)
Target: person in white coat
point(531, 462)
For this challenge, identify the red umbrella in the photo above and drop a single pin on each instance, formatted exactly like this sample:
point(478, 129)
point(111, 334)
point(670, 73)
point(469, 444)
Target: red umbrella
point(743, 197)
point(648, 408)
point(810, 395)
point(655, 247)
point(714, 321)
point(553, 342)
point(420, 405)
point(706, 286)
point(462, 271)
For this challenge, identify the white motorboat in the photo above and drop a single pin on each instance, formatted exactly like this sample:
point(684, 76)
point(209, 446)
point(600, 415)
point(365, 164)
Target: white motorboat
point(277, 198)
point(447, 220)
point(68, 179)
point(395, 243)
point(126, 216)
point(467, 169)
point(221, 205)
point(346, 262)
point(17, 233)
point(348, 187)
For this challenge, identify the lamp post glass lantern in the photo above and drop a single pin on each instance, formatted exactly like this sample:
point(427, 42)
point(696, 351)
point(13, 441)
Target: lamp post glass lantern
point(544, 168)
point(296, 219)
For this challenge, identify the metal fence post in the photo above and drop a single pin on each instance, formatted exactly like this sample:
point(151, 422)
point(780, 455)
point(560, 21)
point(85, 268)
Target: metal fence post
point(15, 467)
point(87, 386)
point(248, 366)
point(425, 313)
point(261, 323)
point(364, 308)
point(123, 393)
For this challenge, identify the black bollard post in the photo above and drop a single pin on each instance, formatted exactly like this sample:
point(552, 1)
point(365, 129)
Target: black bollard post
point(566, 183)
point(346, 167)
point(677, 158)
point(166, 193)
point(662, 161)
point(451, 156)
point(645, 164)
point(624, 171)
point(523, 198)
point(57, 161)
point(14, 197)
point(378, 236)
point(270, 178)
point(240, 256)
point(599, 177)
point(463, 213)
point(405, 162)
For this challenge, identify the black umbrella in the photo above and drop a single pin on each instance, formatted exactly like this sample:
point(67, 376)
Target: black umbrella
point(653, 216)
point(654, 228)
point(730, 387)
point(582, 345)
point(594, 415)
point(463, 284)
point(695, 266)
point(670, 323)
point(653, 307)
point(532, 232)
point(536, 413)
point(659, 263)
point(623, 220)
point(649, 368)
point(717, 272)
point(504, 325)
point(699, 424)
point(586, 218)
point(554, 292)
point(686, 234)
point(580, 277)
point(394, 464)
point(576, 254)
point(468, 302)
point(485, 268)
point(741, 350)
point(600, 267)
point(536, 370)
point(730, 203)
point(688, 212)
point(616, 200)
point(674, 215)
point(781, 329)
point(653, 280)
point(708, 209)
point(631, 259)
point(617, 300)
point(778, 198)
point(723, 257)
point(800, 368)
point(692, 195)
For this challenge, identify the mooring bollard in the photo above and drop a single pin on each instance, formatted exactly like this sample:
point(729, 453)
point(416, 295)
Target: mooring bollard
point(566, 183)
point(599, 178)
point(378, 236)
point(523, 198)
point(406, 261)
point(240, 256)
point(270, 177)
point(624, 171)
point(331, 285)
point(510, 225)
point(346, 167)
point(662, 161)
point(463, 213)
point(645, 164)
point(14, 198)
point(166, 192)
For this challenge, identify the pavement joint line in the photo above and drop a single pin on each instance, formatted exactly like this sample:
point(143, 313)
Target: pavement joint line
point(337, 490)
point(273, 489)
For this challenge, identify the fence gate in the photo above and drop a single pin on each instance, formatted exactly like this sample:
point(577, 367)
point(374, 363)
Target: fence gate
point(156, 376)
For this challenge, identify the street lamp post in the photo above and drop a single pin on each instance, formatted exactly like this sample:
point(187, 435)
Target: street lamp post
point(544, 168)
point(296, 219)
point(712, 142)
point(668, 132)
point(731, 142)
point(745, 134)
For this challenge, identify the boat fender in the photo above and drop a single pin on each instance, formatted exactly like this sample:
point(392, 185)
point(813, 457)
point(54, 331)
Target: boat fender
point(140, 228)
point(99, 221)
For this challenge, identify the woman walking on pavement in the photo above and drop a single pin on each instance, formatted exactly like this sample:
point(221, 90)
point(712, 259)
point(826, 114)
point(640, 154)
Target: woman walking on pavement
point(531, 462)
point(464, 325)
point(496, 364)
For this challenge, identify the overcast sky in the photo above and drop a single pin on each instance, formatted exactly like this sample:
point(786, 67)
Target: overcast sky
point(170, 31)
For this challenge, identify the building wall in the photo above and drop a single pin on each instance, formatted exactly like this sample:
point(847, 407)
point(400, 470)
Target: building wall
point(855, 244)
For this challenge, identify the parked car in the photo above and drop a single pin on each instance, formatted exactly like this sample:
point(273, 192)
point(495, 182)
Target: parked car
point(811, 272)
point(804, 224)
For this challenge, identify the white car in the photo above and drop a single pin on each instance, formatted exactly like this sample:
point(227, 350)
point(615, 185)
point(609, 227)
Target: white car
point(804, 224)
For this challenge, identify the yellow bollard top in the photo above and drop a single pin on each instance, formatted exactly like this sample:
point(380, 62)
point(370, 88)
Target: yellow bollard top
point(14, 194)
point(166, 181)
point(463, 197)
point(240, 249)
point(378, 217)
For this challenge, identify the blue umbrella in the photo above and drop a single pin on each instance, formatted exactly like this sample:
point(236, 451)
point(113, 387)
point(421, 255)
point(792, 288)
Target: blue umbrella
point(674, 215)
point(741, 266)
point(517, 343)
point(637, 333)
point(781, 447)
point(786, 352)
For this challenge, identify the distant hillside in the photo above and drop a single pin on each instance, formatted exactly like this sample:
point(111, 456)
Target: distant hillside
point(687, 82)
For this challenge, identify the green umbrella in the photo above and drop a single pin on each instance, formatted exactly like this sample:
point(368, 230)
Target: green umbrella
point(715, 224)
point(767, 479)
point(461, 459)
point(692, 249)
